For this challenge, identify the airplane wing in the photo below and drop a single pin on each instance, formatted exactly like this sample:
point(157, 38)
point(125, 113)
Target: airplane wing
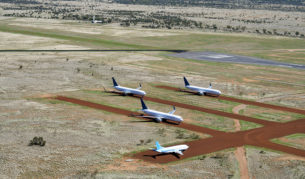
point(127, 92)
point(147, 116)
point(139, 87)
point(158, 119)
point(179, 152)
point(172, 112)
point(201, 92)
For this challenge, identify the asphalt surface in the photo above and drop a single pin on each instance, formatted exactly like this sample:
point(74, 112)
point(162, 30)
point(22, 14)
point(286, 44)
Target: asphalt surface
point(100, 50)
point(227, 58)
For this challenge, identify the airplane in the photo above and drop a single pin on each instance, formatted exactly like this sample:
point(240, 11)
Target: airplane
point(177, 149)
point(126, 90)
point(202, 91)
point(95, 21)
point(159, 116)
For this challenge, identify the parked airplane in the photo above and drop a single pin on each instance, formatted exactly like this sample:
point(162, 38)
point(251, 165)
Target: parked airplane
point(95, 21)
point(126, 90)
point(178, 149)
point(159, 116)
point(202, 91)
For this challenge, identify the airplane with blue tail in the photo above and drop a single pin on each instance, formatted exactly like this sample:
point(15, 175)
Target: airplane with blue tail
point(126, 90)
point(202, 91)
point(178, 149)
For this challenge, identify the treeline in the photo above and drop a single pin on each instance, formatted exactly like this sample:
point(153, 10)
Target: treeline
point(211, 2)
point(21, 1)
point(287, 5)
point(156, 21)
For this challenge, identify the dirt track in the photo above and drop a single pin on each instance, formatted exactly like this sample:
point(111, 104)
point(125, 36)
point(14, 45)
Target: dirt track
point(210, 111)
point(264, 105)
point(135, 114)
point(221, 140)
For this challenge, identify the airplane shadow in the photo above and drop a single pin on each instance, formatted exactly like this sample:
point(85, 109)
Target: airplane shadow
point(162, 154)
point(188, 93)
point(117, 93)
point(148, 119)
point(170, 122)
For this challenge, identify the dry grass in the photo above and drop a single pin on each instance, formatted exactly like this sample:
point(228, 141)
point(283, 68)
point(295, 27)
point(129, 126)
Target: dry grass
point(81, 140)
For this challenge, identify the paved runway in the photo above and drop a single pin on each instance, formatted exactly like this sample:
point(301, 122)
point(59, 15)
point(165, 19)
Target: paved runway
point(220, 57)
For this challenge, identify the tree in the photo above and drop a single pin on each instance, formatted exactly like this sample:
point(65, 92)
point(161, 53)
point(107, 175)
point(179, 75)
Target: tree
point(214, 27)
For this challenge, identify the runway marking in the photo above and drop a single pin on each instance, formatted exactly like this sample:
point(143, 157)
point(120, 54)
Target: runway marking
point(217, 56)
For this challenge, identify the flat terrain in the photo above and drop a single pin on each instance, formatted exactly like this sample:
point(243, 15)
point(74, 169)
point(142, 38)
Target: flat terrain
point(218, 57)
point(86, 142)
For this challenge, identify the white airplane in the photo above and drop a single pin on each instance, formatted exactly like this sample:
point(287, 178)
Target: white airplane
point(95, 21)
point(126, 90)
point(178, 149)
point(202, 91)
point(159, 116)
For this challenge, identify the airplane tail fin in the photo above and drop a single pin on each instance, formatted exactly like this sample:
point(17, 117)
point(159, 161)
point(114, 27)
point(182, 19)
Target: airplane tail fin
point(186, 83)
point(143, 105)
point(114, 82)
point(210, 85)
point(158, 146)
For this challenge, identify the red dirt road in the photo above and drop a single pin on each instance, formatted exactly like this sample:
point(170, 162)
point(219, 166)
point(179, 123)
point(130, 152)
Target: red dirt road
point(210, 111)
point(256, 137)
point(221, 140)
point(135, 114)
point(227, 98)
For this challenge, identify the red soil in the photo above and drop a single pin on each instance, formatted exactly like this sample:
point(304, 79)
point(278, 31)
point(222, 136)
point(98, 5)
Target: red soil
point(221, 140)
point(227, 98)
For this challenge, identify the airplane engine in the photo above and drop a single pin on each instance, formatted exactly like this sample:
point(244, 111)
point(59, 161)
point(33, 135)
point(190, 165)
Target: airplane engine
point(158, 120)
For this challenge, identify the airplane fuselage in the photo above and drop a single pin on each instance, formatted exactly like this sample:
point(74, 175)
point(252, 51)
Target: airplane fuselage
point(173, 149)
point(130, 90)
point(159, 115)
point(204, 91)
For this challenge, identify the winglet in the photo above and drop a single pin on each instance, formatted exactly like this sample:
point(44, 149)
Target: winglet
point(158, 146)
point(143, 104)
point(174, 110)
point(186, 83)
point(114, 82)
point(140, 86)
